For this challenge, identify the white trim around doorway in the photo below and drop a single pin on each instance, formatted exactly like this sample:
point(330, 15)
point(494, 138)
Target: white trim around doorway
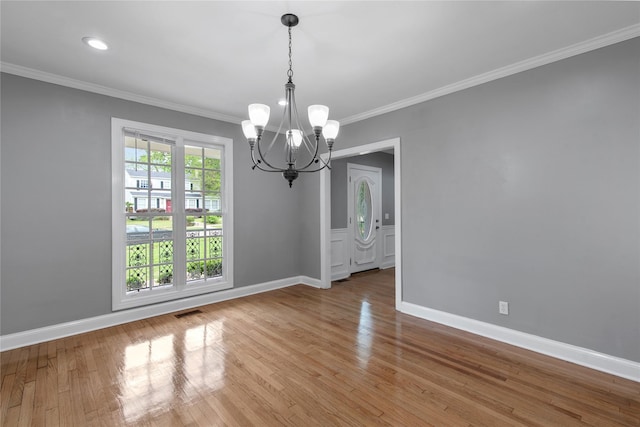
point(325, 210)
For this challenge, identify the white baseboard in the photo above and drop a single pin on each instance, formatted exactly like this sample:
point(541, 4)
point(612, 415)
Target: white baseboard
point(570, 353)
point(62, 330)
point(388, 264)
point(339, 276)
point(310, 281)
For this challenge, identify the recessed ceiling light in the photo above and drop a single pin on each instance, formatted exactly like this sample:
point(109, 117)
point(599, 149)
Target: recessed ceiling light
point(95, 43)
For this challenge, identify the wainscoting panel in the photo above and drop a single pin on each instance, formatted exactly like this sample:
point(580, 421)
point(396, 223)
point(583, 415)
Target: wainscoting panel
point(340, 250)
point(388, 240)
point(339, 254)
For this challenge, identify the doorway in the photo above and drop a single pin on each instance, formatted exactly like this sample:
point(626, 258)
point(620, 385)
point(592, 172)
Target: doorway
point(325, 211)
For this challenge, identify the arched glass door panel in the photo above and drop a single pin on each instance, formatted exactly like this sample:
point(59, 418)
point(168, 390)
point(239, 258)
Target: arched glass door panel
point(364, 210)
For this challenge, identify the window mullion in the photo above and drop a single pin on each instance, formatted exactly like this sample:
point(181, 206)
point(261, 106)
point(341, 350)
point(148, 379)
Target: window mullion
point(179, 226)
point(152, 265)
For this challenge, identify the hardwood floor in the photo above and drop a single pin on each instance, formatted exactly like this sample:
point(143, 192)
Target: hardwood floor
point(303, 357)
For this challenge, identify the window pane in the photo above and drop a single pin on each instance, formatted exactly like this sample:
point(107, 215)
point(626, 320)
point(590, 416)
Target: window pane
point(204, 230)
point(194, 204)
point(192, 157)
point(140, 167)
point(212, 158)
point(137, 266)
point(140, 204)
point(214, 243)
point(135, 148)
point(212, 180)
point(162, 227)
point(193, 179)
point(159, 201)
point(137, 229)
point(363, 210)
point(137, 278)
point(160, 157)
point(213, 221)
point(212, 202)
point(149, 247)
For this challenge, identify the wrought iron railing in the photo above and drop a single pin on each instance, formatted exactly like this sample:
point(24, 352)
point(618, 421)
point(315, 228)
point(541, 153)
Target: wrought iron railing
point(149, 257)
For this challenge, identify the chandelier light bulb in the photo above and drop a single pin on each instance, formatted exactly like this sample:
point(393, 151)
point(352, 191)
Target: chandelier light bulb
point(330, 130)
point(296, 137)
point(259, 114)
point(249, 129)
point(318, 115)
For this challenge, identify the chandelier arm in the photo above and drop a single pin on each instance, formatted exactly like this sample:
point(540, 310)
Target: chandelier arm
point(256, 163)
point(326, 165)
point(305, 139)
point(264, 160)
point(263, 155)
point(314, 158)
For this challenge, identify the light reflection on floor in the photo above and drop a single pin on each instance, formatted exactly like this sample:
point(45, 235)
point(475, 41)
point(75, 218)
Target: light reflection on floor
point(365, 331)
point(179, 366)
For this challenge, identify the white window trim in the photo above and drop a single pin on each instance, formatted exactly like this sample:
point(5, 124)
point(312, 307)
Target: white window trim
point(120, 299)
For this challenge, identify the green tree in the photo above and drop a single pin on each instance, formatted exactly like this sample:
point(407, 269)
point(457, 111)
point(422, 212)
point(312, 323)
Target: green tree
point(194, 171)
point(204, 172)
point(160, 161)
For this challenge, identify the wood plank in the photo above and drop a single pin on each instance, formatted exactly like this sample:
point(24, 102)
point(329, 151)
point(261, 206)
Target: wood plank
point(303, 356)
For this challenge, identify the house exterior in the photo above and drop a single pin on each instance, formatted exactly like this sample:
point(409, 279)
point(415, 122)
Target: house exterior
point(144, 190)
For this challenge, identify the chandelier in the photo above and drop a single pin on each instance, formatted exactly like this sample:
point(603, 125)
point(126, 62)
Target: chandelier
point(290, 136)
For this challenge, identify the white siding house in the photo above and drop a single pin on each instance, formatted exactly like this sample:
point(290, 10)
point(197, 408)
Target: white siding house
point(152, 190)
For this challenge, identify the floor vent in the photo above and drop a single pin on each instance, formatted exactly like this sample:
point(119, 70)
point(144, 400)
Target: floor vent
point(188, 313)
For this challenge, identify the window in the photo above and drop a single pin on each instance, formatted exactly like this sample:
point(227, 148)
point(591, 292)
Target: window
point(172, 247)
point(212, 205)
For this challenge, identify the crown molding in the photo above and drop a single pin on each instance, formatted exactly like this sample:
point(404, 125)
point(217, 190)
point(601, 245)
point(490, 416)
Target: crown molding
point(536, 61)
point(31, 73)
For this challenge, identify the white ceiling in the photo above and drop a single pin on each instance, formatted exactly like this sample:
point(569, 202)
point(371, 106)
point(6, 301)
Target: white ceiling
point(361, 58)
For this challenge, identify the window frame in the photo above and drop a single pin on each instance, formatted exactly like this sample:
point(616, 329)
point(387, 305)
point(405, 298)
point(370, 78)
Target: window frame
point(121, 299)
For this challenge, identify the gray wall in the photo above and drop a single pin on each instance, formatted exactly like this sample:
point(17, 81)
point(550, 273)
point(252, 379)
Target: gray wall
point(527, 189)
point(339, 188)
point(56, 203)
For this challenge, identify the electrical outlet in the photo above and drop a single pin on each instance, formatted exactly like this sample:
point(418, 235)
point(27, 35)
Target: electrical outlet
point(386, 216)
point(503, 307)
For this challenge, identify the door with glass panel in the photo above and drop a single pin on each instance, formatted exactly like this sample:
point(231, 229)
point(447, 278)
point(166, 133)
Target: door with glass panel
point(365, 211)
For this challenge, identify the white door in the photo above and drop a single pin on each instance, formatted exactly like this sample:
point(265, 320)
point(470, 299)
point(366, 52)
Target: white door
point(365, 212)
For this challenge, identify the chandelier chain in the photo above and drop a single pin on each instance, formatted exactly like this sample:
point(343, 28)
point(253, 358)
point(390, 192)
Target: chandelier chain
point(290, 72)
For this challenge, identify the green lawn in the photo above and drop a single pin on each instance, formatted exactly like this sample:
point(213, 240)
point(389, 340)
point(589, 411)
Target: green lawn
point(162, 253)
